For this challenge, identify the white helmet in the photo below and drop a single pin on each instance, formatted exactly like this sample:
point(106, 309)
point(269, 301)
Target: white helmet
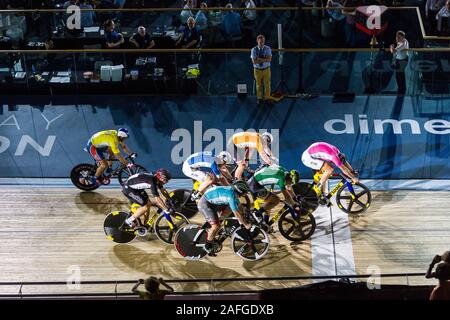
point(122, 133)
point(267, 136)
point(224, 157)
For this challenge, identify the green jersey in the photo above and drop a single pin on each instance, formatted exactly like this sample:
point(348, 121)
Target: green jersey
point(272, 175)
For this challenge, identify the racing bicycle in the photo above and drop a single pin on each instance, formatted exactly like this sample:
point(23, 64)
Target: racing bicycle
point(82, 174)
point(250, 245)
point(163, 225)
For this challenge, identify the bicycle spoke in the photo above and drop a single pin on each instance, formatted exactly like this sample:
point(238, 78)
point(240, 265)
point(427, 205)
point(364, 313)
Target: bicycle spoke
point(346, 197)
point(170, 236)
point(362, 193)
point(350, 205)
point(360, 203)
point(289, 231)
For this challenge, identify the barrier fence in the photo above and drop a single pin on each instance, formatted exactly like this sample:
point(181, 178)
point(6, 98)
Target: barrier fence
point(213, 289)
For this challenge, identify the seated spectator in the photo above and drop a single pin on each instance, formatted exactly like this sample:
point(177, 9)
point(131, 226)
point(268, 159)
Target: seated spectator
point(186, 13)
point(249, 16)
point(443, 13)
point(190, 36)
point(152, 289)
point(335, 14)
point(142, 40)
point(69, 3)
point(442, 272)
point(200, 18)
point(113, 38)
point(87, 17)
point(232, 23)
point(432, 7)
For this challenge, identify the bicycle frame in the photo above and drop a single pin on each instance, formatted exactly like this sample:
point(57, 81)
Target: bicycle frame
point(152, 219)
point(344, 181)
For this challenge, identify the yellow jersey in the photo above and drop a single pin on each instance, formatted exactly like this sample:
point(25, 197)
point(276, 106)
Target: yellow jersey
point(107, 138)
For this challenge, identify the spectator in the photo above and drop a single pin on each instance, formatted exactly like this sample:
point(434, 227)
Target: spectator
point(190, 36)
point(87, 17)
point(432, 7)
point(261, 56)
point(350, 24)
point(152, 289)
point(442, 290)
point(142, 40)
point(249, 15)
point(231, 23)
point(201, 19)
point(119, 4)
point(186, 13)
point(400, 60)
point(338, 18)
point(443, 13)
point(69, 3)
point(113, 38)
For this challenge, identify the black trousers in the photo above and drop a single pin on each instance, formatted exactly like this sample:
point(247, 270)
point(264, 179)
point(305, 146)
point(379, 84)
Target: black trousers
point(400, 76)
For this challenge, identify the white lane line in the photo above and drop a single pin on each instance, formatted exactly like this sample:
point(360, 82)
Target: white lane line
point(322, 246)
point(331, 244)
point(343, 248)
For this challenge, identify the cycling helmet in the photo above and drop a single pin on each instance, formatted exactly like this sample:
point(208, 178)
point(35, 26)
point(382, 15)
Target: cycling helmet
point(267, 136)
point(294, 176)
point(122, 133)
point(224, 157)
point(163, 174)
point(240, 187)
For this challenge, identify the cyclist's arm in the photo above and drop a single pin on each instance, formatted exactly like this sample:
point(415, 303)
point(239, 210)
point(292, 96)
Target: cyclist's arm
point(348, 171)
point(226, 174)
point(165, 193)
point(134, 289)
point(288, 197)
point(121, 159)
point(125, 148)
point(160, 203)
point(238, 215)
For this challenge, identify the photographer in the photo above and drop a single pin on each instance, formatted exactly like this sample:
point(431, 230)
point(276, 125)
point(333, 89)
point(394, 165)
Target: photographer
point(442, 272)
point(152, 289)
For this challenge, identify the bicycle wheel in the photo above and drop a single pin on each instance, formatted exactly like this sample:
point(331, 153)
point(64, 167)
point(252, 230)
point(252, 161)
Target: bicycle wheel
point(297, 230)
point(358, 203)
point(81, 176)
point(184, 204)
point(126, 172)
point(184, 242)
point(111, 227)
point(306, 196)
point(164, 231)
point(250, 251)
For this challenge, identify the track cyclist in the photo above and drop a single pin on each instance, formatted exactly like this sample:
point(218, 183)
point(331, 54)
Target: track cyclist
point(207, 168)
point(244, 143)
point(134, 189)
point(265, 200)
point(220, 200)
point(107, 141)
point(320, 156)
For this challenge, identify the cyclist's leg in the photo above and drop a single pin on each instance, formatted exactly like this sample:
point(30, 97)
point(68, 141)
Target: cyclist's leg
point(99, 156)
point(327, 171)
point(141, 198)
point(241, 161)
point(212, 218)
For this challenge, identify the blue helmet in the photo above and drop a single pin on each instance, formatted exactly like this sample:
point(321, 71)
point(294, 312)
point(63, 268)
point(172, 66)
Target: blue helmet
point(122, 133)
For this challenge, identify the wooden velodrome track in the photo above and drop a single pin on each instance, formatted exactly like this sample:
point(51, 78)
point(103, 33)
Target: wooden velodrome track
point(46, 233)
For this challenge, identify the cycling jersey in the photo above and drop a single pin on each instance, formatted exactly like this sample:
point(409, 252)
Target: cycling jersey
point(220, 195)
point(142, 181)
point(203, 161)
point(326, 152)
point(249, 140)
point(105, 139)
point(271, 175)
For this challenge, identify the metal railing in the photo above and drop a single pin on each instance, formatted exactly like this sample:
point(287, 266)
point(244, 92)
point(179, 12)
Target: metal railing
point(213, 290)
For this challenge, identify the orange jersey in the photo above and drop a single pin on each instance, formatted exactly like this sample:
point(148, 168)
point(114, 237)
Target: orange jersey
point(250, 140)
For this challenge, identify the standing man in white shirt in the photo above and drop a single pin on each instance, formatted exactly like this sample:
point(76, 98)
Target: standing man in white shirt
point(400, 52)
point(261, 56)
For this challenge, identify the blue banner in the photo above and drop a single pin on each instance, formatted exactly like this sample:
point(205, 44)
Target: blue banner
point(384, 137)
